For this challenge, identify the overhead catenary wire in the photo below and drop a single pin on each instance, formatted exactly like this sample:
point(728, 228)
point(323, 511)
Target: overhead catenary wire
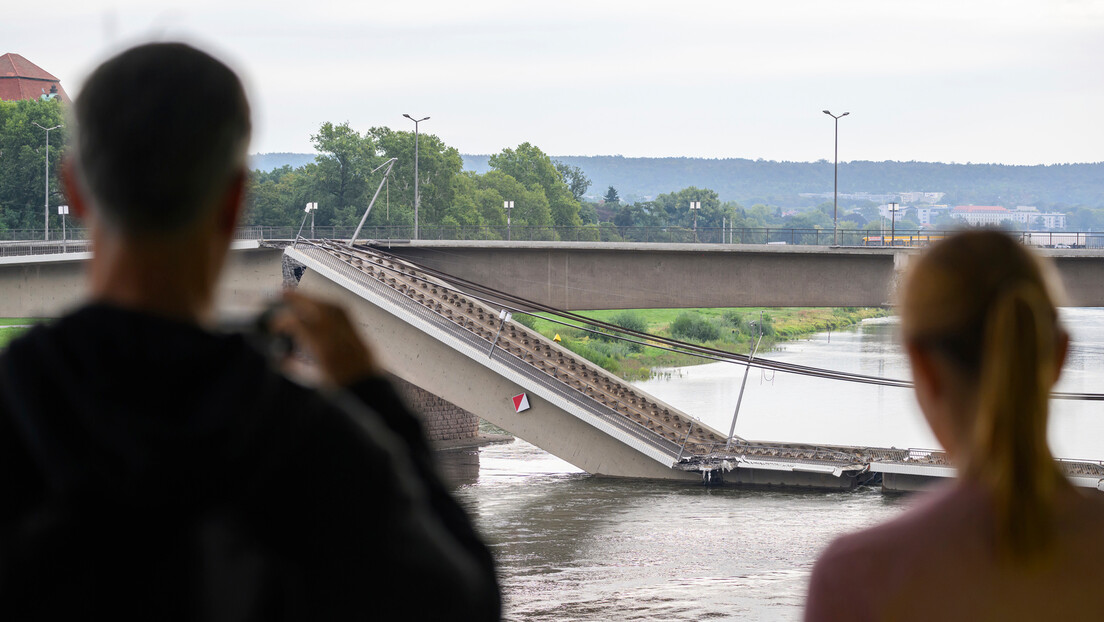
point(517, 304)
point(614, 331)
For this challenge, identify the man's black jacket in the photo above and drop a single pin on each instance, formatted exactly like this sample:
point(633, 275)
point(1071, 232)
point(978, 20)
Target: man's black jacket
point(150, 468)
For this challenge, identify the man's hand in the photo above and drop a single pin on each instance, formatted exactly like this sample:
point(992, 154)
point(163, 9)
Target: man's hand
point(325, 332)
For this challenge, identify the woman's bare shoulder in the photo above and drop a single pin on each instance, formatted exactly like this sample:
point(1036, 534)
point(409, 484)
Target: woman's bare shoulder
point(925, 531)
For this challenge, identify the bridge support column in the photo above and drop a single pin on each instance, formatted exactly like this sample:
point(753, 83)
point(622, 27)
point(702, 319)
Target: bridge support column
point(442, 420)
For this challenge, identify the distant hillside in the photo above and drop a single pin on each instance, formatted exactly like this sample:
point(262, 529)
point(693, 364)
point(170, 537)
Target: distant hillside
point(781, 183)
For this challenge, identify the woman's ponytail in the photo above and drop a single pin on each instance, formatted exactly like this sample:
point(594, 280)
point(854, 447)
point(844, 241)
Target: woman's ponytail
point(1019, 359)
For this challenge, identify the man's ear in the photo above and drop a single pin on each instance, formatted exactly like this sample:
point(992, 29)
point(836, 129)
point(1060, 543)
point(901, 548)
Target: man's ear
point(233, 203)
point(78, 206)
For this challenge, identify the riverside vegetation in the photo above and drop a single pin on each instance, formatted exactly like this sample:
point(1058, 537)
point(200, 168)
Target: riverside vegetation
point(729, 329)
point(10, 328)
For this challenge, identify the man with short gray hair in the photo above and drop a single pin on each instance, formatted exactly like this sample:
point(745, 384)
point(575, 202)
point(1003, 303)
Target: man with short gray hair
point(153, 468)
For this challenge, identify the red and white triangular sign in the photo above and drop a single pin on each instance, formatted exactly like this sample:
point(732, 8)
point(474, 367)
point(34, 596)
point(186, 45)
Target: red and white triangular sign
point(521, 403)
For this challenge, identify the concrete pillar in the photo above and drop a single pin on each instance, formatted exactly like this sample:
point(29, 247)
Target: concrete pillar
point(442, 420)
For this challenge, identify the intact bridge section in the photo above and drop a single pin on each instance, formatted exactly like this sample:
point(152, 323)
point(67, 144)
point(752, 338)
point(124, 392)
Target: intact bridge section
point(609, 275)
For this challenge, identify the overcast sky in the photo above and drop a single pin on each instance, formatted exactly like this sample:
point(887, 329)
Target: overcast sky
point(1010, 81)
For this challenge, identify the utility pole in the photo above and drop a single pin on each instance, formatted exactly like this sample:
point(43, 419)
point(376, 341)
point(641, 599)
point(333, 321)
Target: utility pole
point(46, 205)
point(835, 185)
point(892, 224)
point(417, 196)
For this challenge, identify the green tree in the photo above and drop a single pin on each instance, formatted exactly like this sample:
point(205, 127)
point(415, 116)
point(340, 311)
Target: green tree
point(276, 198)
point(761, 215)
point(531, 208)
point(676, 205)
point(810, 219)
point(612, 197)
point(574, 177)
point(641, 214)
point(438, 167)
point(588, 214)
point(340, 172)
point(533, 169)
point(1085, 219)
point(23, 158)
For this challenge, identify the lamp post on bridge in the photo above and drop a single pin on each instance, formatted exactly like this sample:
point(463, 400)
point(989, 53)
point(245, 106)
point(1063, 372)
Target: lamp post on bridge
point(835, 184)
point(892, 224)
point(417, 196)
point(695, 206)
point(46, 205)
point(508, 205)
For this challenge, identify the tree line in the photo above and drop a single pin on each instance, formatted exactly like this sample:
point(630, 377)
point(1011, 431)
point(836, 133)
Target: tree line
point(547, 193)
point(556, 192)
point(343, 178)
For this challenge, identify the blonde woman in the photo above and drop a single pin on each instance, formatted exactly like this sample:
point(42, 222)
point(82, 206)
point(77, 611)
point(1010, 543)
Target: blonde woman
point(1011, 538)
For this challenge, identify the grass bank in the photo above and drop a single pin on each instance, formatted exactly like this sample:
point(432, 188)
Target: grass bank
point(12, 327)
point(729, 329)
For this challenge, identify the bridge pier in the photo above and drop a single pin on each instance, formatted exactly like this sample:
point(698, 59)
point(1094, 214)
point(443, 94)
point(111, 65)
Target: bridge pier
point(441, 419)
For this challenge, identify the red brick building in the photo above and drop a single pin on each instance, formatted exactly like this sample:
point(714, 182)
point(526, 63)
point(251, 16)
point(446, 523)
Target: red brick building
point(22, 79)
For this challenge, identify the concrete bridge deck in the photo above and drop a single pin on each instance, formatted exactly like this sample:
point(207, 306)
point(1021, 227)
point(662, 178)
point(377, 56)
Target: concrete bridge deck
point(608, 275)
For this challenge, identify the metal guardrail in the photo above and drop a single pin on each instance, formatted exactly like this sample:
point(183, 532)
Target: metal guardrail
point(790, 236)
point(23, 249)
point(508, 359)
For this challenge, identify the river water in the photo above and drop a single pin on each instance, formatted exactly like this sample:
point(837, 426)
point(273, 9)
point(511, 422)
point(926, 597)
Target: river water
point(575, 547)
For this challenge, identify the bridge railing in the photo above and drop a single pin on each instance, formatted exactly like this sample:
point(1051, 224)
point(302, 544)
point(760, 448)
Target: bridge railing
point(607, 232)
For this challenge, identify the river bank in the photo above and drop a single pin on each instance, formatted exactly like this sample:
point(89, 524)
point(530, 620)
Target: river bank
point(733, 329)
point(12, 327)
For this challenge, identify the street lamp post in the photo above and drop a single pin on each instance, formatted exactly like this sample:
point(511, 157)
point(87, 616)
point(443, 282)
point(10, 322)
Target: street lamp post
point(46, 205)
point(892, 224)
point(417, 197)
point(835, 185)
point(508, 205)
